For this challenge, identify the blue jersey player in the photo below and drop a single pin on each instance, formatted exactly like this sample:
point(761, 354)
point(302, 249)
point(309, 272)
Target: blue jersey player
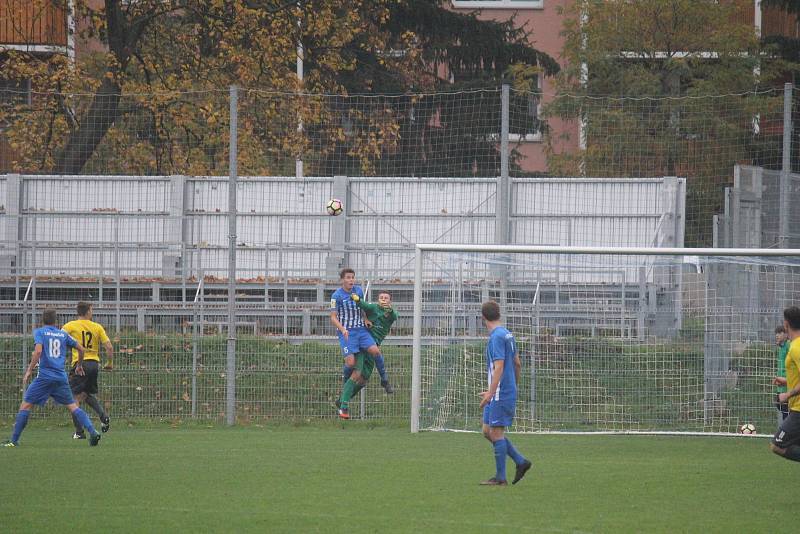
point(51, 348)
point(354, 336)
point(498, 402)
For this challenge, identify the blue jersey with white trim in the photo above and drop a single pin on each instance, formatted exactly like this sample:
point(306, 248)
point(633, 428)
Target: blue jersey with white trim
point(502, 346)
point(55, 347)
point(346, 309)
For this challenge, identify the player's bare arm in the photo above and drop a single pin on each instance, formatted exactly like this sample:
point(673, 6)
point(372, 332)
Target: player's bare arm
point(784, 397)
point(37, 353)
point(79, 365)
point(338, 325)
point(109, 356)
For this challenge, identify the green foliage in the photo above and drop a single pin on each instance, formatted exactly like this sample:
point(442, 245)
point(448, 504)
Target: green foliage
point(152, 378)
point(669, 92)
point(580, 382)
point(156, 101)
point(693, 328)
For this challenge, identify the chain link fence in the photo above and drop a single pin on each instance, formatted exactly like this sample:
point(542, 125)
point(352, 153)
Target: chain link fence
point(187, 214)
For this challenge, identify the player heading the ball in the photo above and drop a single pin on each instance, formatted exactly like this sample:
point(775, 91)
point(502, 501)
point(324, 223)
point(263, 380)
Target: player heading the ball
point(352, 331)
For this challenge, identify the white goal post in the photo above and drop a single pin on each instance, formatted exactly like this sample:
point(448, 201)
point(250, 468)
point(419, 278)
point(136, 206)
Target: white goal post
point(611, 339)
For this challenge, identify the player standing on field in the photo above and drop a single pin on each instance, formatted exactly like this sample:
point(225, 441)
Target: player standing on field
point(499, 401)
point(785, 441)
point(84, 387)
point(351, 329)
point(382, 316)
point(50, 351)
point(782, 342)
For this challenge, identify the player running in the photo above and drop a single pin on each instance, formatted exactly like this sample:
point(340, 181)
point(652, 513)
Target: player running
point(786, 441)
point(84, 387)
point(50, 350)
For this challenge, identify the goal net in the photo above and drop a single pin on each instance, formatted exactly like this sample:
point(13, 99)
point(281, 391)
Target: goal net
point(610, 339)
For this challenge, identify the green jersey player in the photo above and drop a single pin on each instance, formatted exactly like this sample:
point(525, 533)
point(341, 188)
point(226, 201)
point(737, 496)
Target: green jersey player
point(380, 318)
point(381, 315)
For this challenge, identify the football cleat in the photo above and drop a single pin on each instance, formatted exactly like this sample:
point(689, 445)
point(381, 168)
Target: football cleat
point(78, 435)
point(521, 470)
point(387, 386)
point(94, 440)
point(105, 425)
point(8, 443)
point(494, 482)
point(343, 413)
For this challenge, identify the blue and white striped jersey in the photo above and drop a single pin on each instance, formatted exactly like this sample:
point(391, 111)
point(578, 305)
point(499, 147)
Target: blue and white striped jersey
point(346, 309)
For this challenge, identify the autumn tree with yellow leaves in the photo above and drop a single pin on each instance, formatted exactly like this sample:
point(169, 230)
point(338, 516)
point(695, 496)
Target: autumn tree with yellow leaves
point(155, 99)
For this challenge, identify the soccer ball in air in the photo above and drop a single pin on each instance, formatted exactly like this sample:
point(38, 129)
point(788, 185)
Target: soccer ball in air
point(748, 429)
point(334, 207)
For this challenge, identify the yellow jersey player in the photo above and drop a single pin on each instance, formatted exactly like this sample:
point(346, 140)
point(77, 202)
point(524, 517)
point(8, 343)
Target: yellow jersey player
point(786, 441)
point(84, 387)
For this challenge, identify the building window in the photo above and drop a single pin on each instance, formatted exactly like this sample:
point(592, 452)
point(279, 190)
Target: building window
point(499, 4)
point(524, 117)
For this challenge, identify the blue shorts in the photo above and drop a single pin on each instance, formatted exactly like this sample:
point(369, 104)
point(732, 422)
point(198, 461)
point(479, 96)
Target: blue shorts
point(358, 340)
point(43, 388)
point(498, 413)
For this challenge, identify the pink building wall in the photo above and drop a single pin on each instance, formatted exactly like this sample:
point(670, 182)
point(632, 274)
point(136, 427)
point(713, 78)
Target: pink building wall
point(545, 25)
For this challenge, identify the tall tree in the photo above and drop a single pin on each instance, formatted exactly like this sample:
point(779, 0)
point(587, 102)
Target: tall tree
point(453, 54)
point(667, 88)
point(784, 46)
point(156, 102)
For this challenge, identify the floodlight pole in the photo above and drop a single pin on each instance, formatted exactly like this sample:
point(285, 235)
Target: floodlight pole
point(786, 168)
point(298, 162)
point(230, 367)
point(503, 199)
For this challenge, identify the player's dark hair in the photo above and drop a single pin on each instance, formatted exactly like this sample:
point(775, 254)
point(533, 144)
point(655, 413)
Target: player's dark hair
point(345, 271)
point(490, 310)
point(780, 329)
point(49, 317)
point(83, 308)
point(792, 316)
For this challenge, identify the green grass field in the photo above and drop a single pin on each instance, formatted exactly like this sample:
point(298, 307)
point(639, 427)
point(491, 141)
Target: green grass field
point(354, 478)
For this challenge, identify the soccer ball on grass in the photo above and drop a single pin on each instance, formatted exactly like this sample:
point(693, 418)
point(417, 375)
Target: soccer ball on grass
point(747, 428)
point(334, 207)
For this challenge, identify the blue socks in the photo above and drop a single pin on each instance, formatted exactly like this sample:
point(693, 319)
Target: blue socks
point(84, 420)
point(500, 451)
point(346, 372)
point(22, 420)
point(19, 424)
point(514, 453)
point(502, 448)
point(381, 367)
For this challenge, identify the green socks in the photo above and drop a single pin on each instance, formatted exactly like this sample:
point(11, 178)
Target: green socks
point(347, 392)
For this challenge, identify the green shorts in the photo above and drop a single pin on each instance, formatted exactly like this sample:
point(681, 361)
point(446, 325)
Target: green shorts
point(365, 364)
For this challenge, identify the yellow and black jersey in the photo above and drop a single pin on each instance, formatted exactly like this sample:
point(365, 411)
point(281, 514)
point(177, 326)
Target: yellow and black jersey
point(89, 334)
